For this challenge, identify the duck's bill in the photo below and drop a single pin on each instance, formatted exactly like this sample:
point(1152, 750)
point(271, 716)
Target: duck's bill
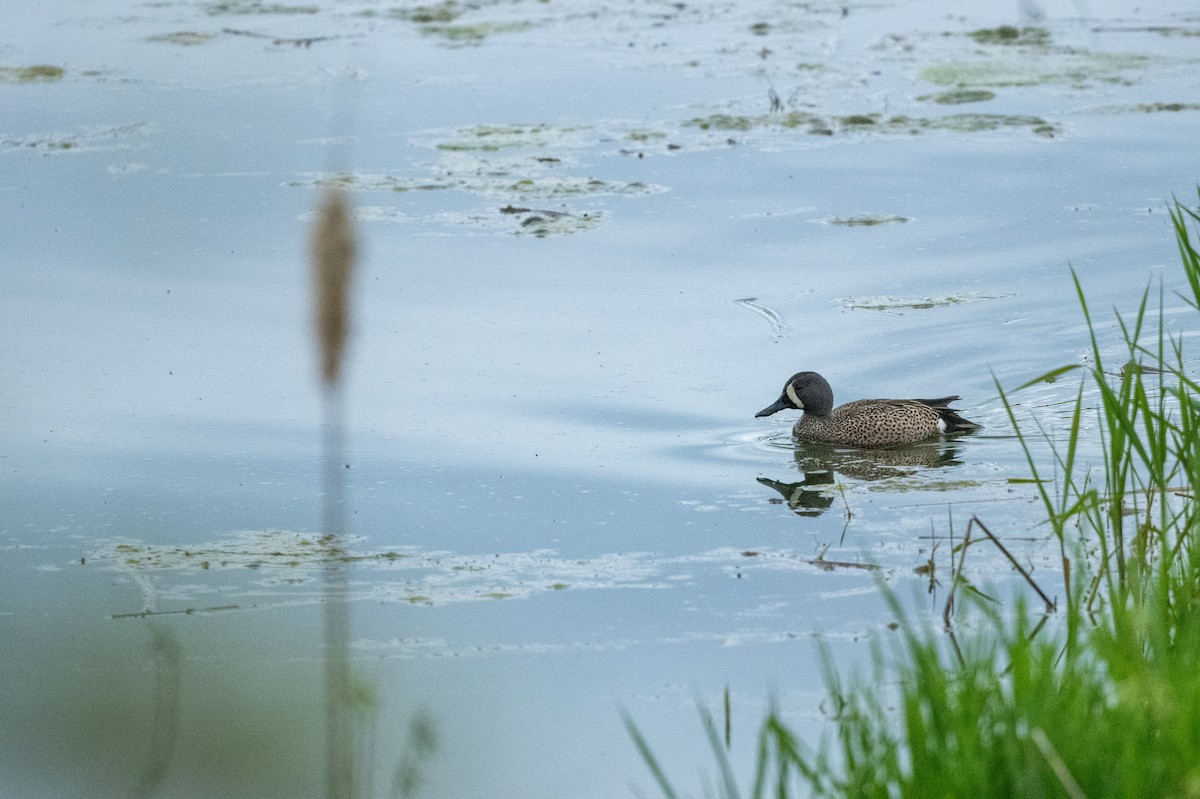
point(779, 405)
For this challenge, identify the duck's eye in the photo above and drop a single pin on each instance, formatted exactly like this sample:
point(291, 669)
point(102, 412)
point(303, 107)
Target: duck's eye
point(790, 390)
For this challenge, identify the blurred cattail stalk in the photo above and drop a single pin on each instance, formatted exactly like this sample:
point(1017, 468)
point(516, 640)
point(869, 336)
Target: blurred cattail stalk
point(333, 254)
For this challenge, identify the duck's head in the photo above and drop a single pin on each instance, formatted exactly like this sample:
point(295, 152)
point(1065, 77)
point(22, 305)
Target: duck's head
point(804, 391)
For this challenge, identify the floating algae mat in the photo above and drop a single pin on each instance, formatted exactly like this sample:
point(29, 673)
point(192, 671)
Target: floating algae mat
point(865, 220)
point(1078, 69)
point(183, 38)
point(961, 96)
point(489, 138)
point(41, 73)
point(287, 565)
point(247, 7)
point(898, 124)
point(901, 304)
point(1009, 35)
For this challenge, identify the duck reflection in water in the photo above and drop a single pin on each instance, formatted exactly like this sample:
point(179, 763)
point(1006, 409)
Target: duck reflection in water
point(820, 462)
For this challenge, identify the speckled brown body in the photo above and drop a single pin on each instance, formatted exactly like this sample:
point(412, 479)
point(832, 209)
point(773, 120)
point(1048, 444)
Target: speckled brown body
point(866, 424)
point(877, 423)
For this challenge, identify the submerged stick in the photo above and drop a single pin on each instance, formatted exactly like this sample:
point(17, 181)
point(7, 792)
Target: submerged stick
point(955, 578)
point(1050, 605)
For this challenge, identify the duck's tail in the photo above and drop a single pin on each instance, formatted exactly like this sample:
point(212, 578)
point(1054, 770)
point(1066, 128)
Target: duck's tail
point(949, 419)
point(952, 422)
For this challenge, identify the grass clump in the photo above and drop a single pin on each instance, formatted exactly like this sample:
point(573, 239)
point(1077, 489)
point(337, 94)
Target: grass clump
point(1098, 698)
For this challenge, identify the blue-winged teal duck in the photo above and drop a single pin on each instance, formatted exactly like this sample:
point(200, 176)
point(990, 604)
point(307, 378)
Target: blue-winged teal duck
point(866, 424)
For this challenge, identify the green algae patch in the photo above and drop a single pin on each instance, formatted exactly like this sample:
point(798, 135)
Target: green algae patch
point(1075, 68)
point(969, 123)
point(859, 120)
point(986, 73)
point(726, 122)
point(259, 570)
point(875, 123)
point(900, 305)
point(961, 96)
point(734, 122)
point(645, 135)
point(974, 123)
point(518, 217)
point(571, 186)
point(498, 180)
point(234, 7)
point(865, 220)
point(256, 549)
point(183, 38)
point(953, 123)
point(114, 137)
point(491, 138)
point(1147, 108)
point(542, 224)
point(437, 13)
point(474, 33)
point(1155, 108)
point(1170, 30)
point(1009, 35)
point(911, 482)
point(365, 181)
point(39, 73)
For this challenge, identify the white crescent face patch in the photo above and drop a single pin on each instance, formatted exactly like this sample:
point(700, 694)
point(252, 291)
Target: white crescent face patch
point(790, 390)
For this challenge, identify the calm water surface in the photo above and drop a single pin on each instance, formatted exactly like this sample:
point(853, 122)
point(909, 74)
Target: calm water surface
point(593, 247)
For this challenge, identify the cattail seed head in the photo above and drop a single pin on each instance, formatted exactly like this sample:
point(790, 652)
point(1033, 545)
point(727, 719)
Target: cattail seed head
point(333, 253)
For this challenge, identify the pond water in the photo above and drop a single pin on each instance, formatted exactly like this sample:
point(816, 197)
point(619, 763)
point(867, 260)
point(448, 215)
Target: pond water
point(597, 237)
